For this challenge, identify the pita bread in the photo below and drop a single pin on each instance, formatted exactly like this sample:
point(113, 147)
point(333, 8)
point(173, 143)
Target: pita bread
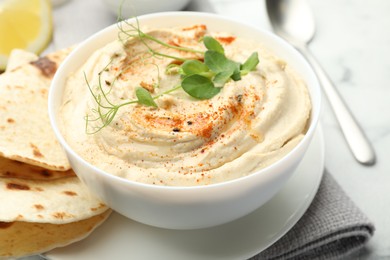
point(25, 131)
point(29, 190)
point(58, 201)
point(43, 204)
point(19, 239)
point(15, 169)
point(19, 57)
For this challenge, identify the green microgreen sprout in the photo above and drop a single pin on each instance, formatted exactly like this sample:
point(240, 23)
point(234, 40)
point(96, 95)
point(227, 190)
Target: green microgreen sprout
point(199, 79)
point(204, 80)
point(144, 97)
point(106, 110)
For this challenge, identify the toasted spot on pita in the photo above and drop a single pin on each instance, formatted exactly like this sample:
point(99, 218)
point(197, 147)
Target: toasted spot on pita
point(10, 120)
point(39, 206)
point(101, 205)
point(70, 193)
point(62, 215)
point(17, 186)
point(44, 91)
point(36, 151)
point(46, 173)
point(46, 66)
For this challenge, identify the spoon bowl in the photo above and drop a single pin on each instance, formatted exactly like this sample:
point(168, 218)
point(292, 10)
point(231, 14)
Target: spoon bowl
point(292, 20)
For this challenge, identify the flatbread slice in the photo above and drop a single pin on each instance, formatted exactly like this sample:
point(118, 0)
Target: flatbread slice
point(15, 169)
point(25, 131)
point(43, 204)
point(19, 57)
point(18, 239)
point(58, 201)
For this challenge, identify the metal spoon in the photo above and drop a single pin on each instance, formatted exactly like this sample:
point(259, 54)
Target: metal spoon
point(293, 21)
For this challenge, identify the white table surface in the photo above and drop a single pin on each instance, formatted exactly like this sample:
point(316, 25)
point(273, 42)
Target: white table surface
point(352, 43)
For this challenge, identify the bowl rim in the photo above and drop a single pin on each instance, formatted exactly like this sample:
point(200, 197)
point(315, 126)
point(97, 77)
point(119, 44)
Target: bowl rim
point(316, 100)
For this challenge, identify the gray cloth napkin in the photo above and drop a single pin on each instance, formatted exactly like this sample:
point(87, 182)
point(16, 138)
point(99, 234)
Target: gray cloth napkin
point(332, 228)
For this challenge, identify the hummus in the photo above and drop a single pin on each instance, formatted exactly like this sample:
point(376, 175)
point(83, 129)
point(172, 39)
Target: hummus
point(248, 125)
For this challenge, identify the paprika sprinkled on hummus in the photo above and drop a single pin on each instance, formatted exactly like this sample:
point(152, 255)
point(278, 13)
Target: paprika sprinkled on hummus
point(183, 141)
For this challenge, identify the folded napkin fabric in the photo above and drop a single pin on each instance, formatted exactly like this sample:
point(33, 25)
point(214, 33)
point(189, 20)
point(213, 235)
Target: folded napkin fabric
point(332, 228)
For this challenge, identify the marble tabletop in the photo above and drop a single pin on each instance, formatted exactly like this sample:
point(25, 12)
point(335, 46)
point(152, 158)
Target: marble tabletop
point(351, 43)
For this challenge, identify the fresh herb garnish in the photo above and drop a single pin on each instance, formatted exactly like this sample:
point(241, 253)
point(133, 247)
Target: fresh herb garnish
point(249, 64)
point(201, 78)
point(199, 87)
point(144, 97)
point(212, 44)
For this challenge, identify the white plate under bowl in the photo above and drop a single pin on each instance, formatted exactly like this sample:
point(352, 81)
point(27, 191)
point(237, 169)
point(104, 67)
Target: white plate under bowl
point(122, 238)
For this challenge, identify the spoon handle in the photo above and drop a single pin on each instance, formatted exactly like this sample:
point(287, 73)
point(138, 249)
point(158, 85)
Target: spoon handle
point(356, 139)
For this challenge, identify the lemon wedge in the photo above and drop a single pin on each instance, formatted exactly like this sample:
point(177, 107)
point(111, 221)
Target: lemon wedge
point(24, 24)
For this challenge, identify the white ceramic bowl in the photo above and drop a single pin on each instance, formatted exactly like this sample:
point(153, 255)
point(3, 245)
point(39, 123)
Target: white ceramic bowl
point(131, 8)
point(187, 207)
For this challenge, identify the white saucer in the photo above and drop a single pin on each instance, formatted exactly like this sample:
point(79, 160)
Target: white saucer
point(121, 238)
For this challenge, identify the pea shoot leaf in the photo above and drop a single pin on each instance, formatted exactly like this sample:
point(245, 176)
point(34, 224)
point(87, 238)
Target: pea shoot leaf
point(144, 97)
point(217, 62)
point(199, 87)
point(190, 67)
point(250, 64)
point(212, 44)
point(221, 78)
point(236, 73)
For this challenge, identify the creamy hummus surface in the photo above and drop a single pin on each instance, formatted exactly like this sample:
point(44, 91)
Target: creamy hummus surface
point(249, 125)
